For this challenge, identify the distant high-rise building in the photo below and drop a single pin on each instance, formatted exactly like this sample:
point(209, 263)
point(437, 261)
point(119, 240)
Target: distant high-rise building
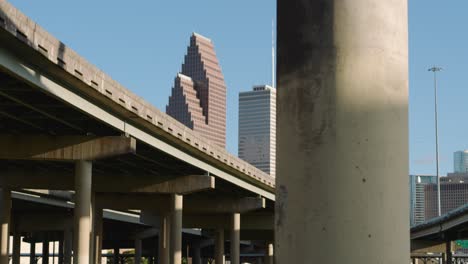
point(460, 161)
point(453, 194)
point(257, 128)
point(198, 98)
point(417, 197)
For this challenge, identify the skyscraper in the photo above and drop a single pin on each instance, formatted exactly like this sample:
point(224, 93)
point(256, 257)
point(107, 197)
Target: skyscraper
point(257, 128)
point(417, 197)
point(198, 98)
point(460, 161)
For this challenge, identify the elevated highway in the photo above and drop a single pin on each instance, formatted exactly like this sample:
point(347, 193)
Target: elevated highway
point(66, 125)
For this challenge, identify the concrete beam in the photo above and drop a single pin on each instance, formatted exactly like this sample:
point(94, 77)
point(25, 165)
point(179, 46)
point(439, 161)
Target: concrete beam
point(33, 177)
point(181, 185)
point(223, 205)
point(64, 148)
point(35, 222)
point(197, 205)
point(260, 221)
point(122, 201)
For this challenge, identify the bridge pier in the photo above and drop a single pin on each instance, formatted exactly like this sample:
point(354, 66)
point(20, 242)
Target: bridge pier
point(176, 228)
point(16, 245)
point(138, 251)
point(219, 246)
point(98, 229)
point(67, 246)
point(82, 212)
point(5, 215)
point(342, 188)
point(235, 238)
point(164, 241)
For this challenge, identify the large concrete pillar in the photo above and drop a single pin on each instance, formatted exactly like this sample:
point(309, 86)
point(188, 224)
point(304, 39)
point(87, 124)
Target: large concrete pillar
point(67, 246)
point(235, 238)
point(176, 229)
point(5, 213)
point(82, 234)
point(164, 241)
point(219, 246)
point(138, 251)
point(196, 258)
point(342, 170)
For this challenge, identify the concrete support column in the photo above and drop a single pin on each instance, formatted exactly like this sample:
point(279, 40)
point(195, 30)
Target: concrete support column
point(448, 252)
point(45, 250)
point(67, 246)
point(82, 234)
point(164, 241)
point(16, 247)
point(116, 255)
point(98, 222)
point(219, 246)
point(5, 213)
point(60, 251)
point(32, 253)
point(196, 258)
point(269, 258)
point(235, 238)
point(138, 250)
point(176, 229)
point(342, 132)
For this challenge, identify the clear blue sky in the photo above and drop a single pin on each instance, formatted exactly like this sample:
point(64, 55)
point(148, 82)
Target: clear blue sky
point(141, 44)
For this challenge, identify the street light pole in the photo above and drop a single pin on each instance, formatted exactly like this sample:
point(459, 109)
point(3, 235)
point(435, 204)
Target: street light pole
point(435, 70)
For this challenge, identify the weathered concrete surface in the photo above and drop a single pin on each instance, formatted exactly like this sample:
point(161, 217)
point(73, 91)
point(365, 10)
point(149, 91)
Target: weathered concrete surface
point(342, 188)
point(66, 148)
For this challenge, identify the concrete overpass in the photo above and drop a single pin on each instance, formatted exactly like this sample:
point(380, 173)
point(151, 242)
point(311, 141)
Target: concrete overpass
point(438, 235)
point(66, 125)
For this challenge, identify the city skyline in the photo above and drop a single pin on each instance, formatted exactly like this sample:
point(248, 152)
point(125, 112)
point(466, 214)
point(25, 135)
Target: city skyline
point(249, 39)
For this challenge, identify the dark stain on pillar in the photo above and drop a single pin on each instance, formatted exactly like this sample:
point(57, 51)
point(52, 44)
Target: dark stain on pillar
point(306, 70)
point(282, 200)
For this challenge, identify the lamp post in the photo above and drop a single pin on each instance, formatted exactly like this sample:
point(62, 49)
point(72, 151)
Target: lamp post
point(435, 70)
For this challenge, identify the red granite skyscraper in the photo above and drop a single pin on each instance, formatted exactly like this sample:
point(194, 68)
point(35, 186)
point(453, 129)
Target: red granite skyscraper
point(198, 98)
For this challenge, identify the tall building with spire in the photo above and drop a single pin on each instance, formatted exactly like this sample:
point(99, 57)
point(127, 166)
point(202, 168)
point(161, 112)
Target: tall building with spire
point(198, 98)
